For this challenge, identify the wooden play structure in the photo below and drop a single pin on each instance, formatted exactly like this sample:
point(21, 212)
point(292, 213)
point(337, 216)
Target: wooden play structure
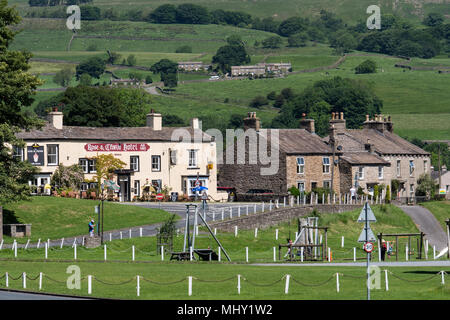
point(308, 245)
point(393, 245)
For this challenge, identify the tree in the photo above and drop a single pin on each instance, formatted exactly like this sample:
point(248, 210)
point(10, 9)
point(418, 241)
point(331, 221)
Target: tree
point(70, 177)
point(94, 67)
point(105, 165)
point(16, 90)
point(192, 14)
point(131, 60)
point(184, 49)
point(235, 40)
point(291, 26)
point(433, 19)
point(272, 95)
point(343, 42)
point(148, 79)
point(368, 66)
point(85, 80)
point(388, 194)
point(298, 40)
point(230, 55)
point(426, 187)
point(287, 93)
point(258, 101)
point(172, 120)
point(236, 121)
point(167, 70)
point(63, 77)
point(90, 13)
point(272, 42)
point(165, 13)
point(113, 57)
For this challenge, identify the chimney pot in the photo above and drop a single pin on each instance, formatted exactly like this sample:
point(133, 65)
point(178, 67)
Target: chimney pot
point(367, 118)
point(342, 116)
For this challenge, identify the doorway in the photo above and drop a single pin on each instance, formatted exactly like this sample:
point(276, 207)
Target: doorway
point(124, 183)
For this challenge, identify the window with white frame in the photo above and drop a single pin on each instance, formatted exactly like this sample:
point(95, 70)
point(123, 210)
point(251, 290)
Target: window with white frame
point(192, 158)
point(173, 157)
point(411, 190)
point(137, 188)
point(361, 173)
point(84, 186)
point(87, 165)
point(326, 184)
point(399, 168)
point(380, 172)
point(52, 154)
point(156, 163)
point(91, 166)
point(191, 183)
point(326, 164)
point(134, 163)
point(301, 186)
point(411, 167)
point(18, 153)
point(157, 184)
point(300, 165)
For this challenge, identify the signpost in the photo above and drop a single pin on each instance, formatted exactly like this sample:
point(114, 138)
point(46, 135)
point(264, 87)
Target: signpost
point(159, 197)
point(367, 236)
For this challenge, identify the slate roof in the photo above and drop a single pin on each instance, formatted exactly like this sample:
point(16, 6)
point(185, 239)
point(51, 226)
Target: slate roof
point(49, 132)
point(364, 158)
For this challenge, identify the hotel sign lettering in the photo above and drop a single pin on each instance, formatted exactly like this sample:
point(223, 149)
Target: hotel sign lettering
point(113, 147)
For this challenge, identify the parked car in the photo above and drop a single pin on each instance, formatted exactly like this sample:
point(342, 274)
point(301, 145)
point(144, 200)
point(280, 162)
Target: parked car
point(214, 78)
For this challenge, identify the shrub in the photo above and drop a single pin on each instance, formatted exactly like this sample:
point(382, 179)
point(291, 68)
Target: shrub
point(294, 191)
point(368, 66)
point(258, 102)
point(272, 95)
point(184, 49)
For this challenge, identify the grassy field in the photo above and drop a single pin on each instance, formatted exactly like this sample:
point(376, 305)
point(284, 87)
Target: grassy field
point(54, 218)
point(441, 210)
point(163, 275)
point(349, 10)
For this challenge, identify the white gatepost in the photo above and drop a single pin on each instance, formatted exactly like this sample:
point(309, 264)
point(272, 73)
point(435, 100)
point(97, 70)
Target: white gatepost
point(276, 234)
point(262, 210)
point(284, 202)
point(354, 254)
point(301, 254)
point(110, 237)
point(298, 200)
point(40, 280)
point(329, 256)
point(190, 254)
point(270, 205)
point(256, 232)
point(133, 257)
point(89, 284)
point(140, 232)
point(434, 252)
point(190, 286)
point(337, 281)
point(386, 280)
point(62, 243)
point(120, 235)
point(342, 242)
point(274, 254)
point(239, 211)
point(75, 251)
point(407, 253)
point(15, 249)
point(162, 253)
point(442, 277)
point(254, 208)
point(379, 250)
point(46, 251)
point(286, 287)
point(218, 251)
point(235, 231)
point(239, 283)
point(82, 241)
point(246, 212)
point(214, 216)
point(24, 280)
point(138, 286)
point(222, 213)
point(104, 251)
point(215, 231)
point(6, 279)
point(246, 254)
point(231, 212)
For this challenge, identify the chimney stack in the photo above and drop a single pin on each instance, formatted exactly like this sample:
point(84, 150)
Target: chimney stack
point(56, 118)
point(337, 122)
point(368, 146)
point(195, 124)
point(252, 122)
point(379, 123)
point(154, 120)
point(307, 124)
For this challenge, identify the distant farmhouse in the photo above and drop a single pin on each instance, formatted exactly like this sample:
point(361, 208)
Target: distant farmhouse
point(124, 82)
point(192, 66)
point(260, 69)
point(444, 180)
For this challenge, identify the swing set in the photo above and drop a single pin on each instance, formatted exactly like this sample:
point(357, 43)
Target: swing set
point(393, 245)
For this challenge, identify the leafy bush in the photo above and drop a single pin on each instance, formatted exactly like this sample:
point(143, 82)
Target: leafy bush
point(258, 101)
point(184, 49)
point(368, 66)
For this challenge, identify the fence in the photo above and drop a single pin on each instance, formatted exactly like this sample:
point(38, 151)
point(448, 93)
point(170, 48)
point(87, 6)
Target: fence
point(23, 277)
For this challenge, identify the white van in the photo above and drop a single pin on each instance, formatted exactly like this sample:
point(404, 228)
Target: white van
point(214, 78)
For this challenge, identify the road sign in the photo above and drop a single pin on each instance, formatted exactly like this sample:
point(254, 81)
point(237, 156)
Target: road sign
point(442, 191)
point(368, 247)
point(370, 236)
point(159, 196)
point(370, 215)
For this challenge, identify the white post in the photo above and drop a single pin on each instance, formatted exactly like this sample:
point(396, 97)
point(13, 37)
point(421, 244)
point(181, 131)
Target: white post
point(239, 284)
point(284, 202)
point(274, 254)
point(379, 250)
point(434, 252)
point(39, 242)
point(190, 253)
point(196, 230)
point(104, 251)
point(26, 245)
point(62, 243)
point(246, 254)
point(323, 198)
point(82, 241)
point(407, 253)
point(222, 213)
point(301, 254)
point(24, 280)
point(75, 251)
point(386, 280)
point(48, 241)
point(231, 212)
point(235, 231)
point(262, 210)
point(256, 232)
point(218, 251)
point(254, 208)
point(342, 242)
point(129, 234)
point(120, 235)
point(426, 249)
point(15, 249)
point(442, 277)
point(46, 250)
point(246, 210)
point(276, 234)
point(89, 284)
point(40, 280)
point(110, 237)
point(6, 279)
point(190, 286)
point(329, 251)
point(138, 286)
point(215, 231)
point(354, 254)
point(239, 211)
point(270, 205)
point(140, 232)
point(162, 253)
point(133, 256)
point(286, 287)
point(337, 282)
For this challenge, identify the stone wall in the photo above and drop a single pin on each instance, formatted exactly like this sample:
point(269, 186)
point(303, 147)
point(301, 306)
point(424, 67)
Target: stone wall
point(274, 217)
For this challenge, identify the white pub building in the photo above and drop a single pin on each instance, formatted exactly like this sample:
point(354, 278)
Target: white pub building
point(162, 156)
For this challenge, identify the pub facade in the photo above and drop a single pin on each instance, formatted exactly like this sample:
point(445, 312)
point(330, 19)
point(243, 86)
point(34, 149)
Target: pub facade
point(177, 158)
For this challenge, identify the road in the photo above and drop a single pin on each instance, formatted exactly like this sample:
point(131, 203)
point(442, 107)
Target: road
point(428, 224)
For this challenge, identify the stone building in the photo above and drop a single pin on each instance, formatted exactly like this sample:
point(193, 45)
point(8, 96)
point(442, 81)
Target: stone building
point(192, 65)
point(444, 179)
point(282, 67)
point(154, 154)
point(304, 160)
point(255, 70)
point(375, 155)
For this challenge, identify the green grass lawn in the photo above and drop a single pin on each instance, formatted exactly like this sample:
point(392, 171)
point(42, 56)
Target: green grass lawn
point(352, 281)
point(54, 218)
point(440, 209)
